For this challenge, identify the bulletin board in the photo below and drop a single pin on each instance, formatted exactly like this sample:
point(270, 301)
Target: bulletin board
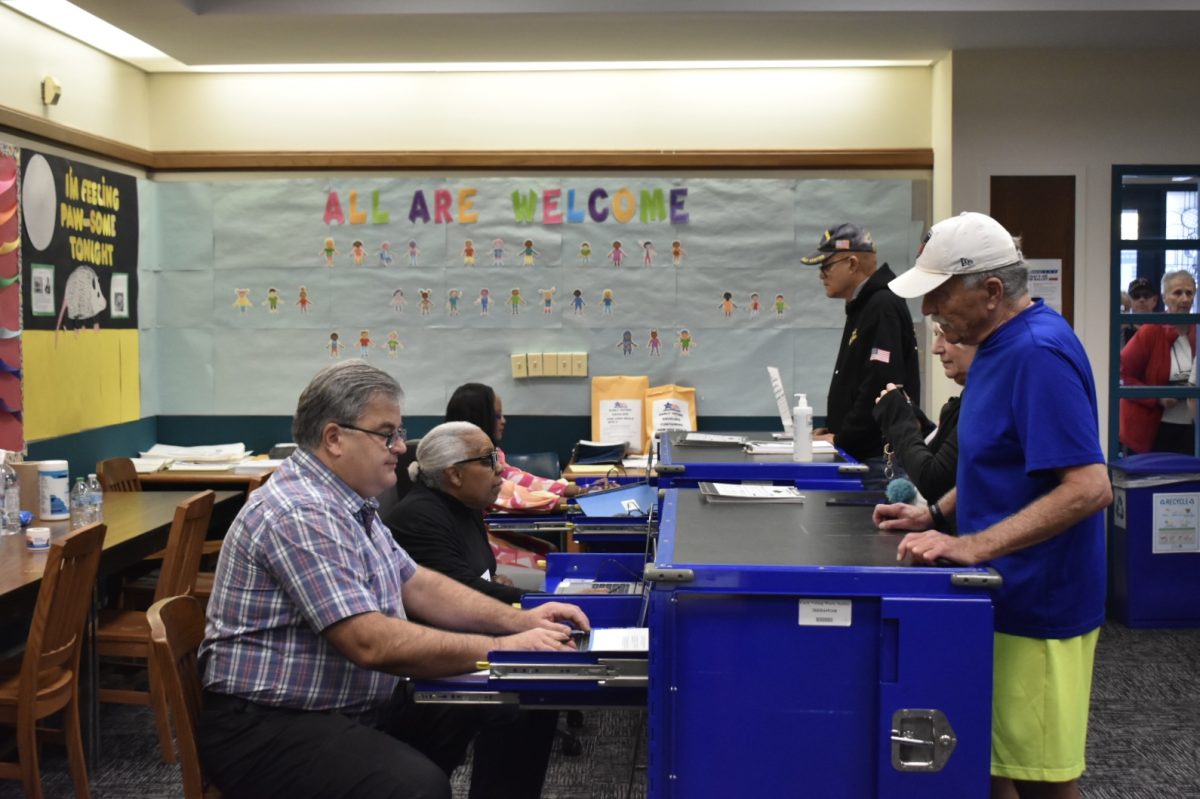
point(251, 285)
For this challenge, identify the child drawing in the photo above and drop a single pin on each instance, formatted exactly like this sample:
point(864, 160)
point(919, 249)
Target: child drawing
point(393, 344)
point(547, 299)
point(452, 297)
point(616, 255)
point(483, 301)
point(357, 252)
point(755, 304)
point(606, 299)
point(329, 251)
point(626, 344)
point(398, 301)
point(516, 301)
point(272, 300)
point(425, 304)
point(304, 302)
point(727, 304)
point(468, 253)
point(685, 343)
point(780, 306)
point(243, 300)
point(385, 254)
point(655, 343)
point(577, 302)
point(335, 346)
point(648, 253)
point(527, 252)
point(497, 252)
point(364, 343)
point(677, 252)
point(413, 252)
point(585, 253)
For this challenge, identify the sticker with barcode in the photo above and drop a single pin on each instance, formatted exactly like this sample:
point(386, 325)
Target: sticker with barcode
point(825, 612)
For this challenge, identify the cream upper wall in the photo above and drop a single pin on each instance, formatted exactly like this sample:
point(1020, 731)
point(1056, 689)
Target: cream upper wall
point(101, 95)
point(1074, 113)
point(617, 110)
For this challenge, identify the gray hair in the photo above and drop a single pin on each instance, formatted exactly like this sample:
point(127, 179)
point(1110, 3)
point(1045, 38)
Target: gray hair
point(340, 392)
point(1014, 278)
point(442, 447)
point(1169, 276)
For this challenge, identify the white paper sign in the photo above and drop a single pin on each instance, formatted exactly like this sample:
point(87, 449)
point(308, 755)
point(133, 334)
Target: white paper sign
point(671, 414)
point(1045, 280)
point(825, 612)
point(1175, 523)
point(621, 420)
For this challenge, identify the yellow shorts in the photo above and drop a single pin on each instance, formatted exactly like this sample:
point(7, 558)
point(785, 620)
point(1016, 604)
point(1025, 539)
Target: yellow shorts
point(1041, 691)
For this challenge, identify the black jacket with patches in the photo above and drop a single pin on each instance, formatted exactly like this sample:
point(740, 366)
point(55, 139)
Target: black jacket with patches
point(878, 347)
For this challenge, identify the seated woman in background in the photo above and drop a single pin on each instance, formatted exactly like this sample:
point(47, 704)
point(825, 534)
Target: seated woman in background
point(931, 463)
point(480, 405)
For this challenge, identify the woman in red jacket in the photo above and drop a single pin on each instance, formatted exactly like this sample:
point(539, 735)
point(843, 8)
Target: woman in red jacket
point(1161, 355)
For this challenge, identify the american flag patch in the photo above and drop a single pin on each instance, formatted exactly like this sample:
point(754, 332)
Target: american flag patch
point(883, 356)
point(841, 244)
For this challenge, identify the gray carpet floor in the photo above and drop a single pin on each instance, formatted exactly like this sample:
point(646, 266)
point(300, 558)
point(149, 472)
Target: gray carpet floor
point(1143, 742)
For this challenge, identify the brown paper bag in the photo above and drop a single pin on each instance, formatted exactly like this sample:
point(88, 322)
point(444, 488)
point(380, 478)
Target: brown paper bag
point(670, 407)
point(617, 410)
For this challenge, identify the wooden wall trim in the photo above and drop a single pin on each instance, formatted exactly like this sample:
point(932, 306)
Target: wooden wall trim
point(241, 161)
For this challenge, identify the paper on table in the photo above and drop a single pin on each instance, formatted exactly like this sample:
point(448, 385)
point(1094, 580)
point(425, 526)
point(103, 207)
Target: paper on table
point(218, 453)
point(150, 465)
point(620, 639)
point(199, 466)
point(750, 492)
point(712, 438)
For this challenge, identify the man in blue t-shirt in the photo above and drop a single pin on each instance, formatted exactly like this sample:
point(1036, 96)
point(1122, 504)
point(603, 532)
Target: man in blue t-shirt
point(1032, 486)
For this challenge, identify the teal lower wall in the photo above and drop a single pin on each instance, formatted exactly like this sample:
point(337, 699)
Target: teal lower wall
point(260, 433)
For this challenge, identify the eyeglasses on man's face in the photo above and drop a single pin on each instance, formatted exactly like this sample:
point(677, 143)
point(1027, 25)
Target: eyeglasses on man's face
point(831, 263)
point(490, 460)
point(390, 440)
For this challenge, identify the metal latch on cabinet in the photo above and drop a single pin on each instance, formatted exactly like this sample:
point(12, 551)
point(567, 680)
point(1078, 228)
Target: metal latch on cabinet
point(605, 672)
point(990, 579)
point(653, 574)
point(922, 740)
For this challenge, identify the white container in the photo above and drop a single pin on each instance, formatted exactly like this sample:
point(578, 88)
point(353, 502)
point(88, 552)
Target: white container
point(37, 538)
point(54, 489)
point(802, 430)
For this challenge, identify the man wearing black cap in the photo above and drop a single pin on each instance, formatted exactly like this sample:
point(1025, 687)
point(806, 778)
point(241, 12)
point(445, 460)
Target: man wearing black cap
point(878, 344)
point(1142, 299)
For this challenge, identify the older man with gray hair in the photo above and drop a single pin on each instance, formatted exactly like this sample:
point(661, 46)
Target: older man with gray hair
point(1031, 490)
point(316, 612)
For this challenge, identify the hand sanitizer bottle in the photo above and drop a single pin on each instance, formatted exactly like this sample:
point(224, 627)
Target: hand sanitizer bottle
point(802, 430)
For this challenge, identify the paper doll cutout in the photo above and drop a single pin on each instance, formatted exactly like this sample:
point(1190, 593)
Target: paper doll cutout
point(468, 253)
point(272, 300)
point(425, 304)
point(617, 255)
point(527, 252)
point(780, 306)
point(357, 252)
point(516, 301)
point(648, 253)
point(398, 301)
point(394, 344)
point(547, 299)
point(727, 304)
point(335, 346)
point(413, 252)
point(577, 302)
point(685, 343)
point(385, 254)
point(755, 304)
point(243, 300)
point(606, 299)
point(452, 297)
point(483, 301)
point(677, 253)
point(626, 344)
point(654, 344)
point(364, 343)
point(304, 301)
point(497, 252)
point(329, 251)
point(585, 253)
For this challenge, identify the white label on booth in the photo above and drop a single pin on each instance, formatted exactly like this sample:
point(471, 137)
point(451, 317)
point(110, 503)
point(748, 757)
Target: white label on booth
point(825, 612)
point(1176, 527)
point(1119, 508)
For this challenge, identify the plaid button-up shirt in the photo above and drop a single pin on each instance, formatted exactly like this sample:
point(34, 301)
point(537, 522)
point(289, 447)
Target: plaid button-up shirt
point(298, 559)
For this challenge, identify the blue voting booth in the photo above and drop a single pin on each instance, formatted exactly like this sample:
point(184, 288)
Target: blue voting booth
point(1154, 541)
point(682, 464)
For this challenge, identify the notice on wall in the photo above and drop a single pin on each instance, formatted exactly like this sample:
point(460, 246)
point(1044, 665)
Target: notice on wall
point(1045, 281)
point(1176, 529)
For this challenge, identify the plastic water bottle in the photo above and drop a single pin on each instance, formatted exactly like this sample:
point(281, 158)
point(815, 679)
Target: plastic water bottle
point(802, 430)
point(96, 495)
point(81, 504)
point(10, 518)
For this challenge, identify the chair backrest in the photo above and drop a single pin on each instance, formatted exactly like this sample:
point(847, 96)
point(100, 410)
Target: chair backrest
point(543, 464)
point(256, 482)
point(118, 474)
point(181, 562)
point(176, 630)
point(391, 498)
point(64, 598)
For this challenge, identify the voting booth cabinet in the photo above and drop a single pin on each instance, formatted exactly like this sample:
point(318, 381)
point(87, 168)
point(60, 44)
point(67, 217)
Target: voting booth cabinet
point(682, 464)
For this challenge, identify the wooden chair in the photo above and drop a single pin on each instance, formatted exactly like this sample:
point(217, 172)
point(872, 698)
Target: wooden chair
point(176, 630)
point(46, 680)
point(118, 474)
point(125, 634)
point(204, 579)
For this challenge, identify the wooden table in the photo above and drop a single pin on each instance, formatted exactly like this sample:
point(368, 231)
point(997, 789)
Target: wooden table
point(182, 479)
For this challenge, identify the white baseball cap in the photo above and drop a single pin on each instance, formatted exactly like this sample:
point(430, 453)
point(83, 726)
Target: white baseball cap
point(961, 245)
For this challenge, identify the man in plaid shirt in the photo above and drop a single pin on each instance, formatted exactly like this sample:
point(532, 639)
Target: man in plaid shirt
point(309, 626)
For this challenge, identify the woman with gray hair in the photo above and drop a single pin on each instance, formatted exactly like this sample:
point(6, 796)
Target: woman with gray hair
point(456, 476)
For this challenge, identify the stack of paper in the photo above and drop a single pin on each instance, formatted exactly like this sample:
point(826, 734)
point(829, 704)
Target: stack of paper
point(213, 458)
point(746, 492)
point(150, 465)
point(257, 465)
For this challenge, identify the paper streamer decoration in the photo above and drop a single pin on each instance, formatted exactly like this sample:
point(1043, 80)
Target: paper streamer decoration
point(9, 246)
point(5, 366)
point(5, 282)
point(7, 183)
point(7, 215)
point(6, 333)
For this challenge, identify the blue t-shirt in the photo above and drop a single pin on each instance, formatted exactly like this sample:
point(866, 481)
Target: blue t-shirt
point(1032, 409)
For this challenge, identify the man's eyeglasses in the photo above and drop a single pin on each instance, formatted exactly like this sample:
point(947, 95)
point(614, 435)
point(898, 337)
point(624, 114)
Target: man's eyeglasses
point(830, 264)
point(390, 440)
point(491, 460)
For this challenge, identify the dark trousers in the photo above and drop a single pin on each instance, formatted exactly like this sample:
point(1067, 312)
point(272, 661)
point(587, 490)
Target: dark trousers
point(250, 750)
